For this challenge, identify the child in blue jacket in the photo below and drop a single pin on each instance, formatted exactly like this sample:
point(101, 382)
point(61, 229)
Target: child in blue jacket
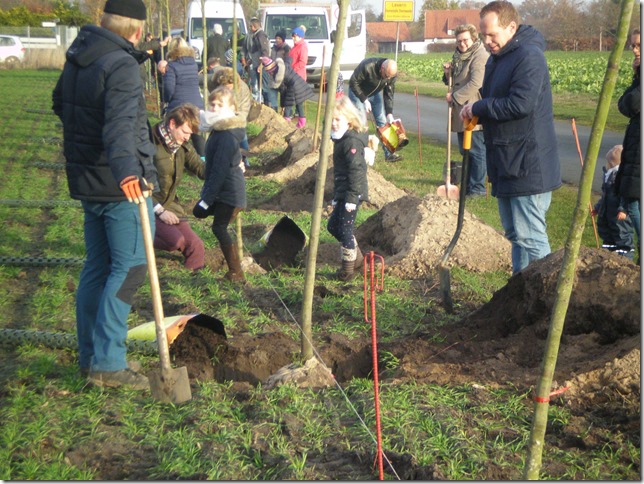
point(617, 235)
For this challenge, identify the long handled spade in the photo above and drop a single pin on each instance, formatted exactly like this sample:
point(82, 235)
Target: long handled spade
point(445, 289)
point(448, 190)
point(168, 385)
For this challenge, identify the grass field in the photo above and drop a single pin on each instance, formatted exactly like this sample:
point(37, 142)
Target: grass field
point(56, 428)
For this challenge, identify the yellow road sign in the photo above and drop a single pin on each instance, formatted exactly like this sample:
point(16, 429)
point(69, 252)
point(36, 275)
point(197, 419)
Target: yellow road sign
point(398, 11)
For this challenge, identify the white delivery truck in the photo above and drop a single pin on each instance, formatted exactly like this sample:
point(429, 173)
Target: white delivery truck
point(217, 12)
point(320, 21)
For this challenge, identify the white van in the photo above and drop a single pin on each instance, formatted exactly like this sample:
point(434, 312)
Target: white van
point(320, 21)
point(217, 12)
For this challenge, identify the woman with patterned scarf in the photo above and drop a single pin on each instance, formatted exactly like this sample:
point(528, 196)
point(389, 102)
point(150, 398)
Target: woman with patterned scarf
point(467, 69)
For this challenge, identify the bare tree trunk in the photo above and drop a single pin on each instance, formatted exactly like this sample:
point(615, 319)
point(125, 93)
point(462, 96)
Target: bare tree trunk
point(318, 197)
point(567, 274)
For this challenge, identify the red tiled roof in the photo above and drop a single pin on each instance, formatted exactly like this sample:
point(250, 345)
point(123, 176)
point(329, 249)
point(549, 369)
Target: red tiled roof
point(386, 32)
point(438, 22)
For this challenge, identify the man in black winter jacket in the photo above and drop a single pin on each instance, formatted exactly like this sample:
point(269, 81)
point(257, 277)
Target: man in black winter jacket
point(371, 89)
point(217, 44)
point(108, 151)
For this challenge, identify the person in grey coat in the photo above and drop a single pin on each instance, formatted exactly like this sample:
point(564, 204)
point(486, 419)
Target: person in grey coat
point(466, 70)
point(516, 113)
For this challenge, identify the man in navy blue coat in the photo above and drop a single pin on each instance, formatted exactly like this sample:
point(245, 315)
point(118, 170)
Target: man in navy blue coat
point(109, 157)
point(516, 113)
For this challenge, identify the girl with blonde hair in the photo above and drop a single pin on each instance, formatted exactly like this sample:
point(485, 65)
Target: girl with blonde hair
point(350, 187)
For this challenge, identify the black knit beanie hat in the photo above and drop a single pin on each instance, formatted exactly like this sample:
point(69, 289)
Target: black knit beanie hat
point(126, 8)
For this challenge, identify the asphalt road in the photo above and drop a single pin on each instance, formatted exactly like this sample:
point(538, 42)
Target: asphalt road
point(433, 123)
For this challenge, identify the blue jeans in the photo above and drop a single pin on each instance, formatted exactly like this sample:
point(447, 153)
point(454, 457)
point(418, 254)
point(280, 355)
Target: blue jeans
point(377, 108)
point(115, 267)
point(299, 108)
point(478, 168)
point(524, 222)
point(633, 207)
point(268, 93)
point(253, 76)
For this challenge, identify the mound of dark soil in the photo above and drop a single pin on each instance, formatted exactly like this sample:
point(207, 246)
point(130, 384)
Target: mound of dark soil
point(503, 341)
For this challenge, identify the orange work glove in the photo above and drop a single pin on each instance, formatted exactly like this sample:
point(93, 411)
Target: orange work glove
point(136, 191)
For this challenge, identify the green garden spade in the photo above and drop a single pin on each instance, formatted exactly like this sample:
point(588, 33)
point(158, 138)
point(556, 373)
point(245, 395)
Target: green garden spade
point(445, 289)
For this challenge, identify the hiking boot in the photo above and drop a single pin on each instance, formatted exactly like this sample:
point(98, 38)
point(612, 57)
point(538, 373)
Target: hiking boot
point(114, 379)
point(132, 365)
point(393, 157)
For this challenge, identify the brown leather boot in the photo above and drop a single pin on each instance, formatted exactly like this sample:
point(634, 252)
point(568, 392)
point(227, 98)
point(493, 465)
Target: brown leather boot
point(235, 272)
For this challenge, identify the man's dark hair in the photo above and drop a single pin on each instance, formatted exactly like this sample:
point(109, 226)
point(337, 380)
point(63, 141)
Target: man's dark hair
point(184, 113)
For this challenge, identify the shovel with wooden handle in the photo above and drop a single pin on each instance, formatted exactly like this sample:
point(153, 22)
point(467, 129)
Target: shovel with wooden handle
point(448, 190)
point(170, 385)
point(445, 289)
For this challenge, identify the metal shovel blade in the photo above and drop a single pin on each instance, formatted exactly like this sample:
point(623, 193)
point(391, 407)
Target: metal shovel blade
point(444, 277)
point(172, 386)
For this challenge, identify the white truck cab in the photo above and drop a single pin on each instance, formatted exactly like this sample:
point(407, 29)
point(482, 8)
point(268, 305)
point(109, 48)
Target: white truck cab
point(320, 21)
point(217, 12)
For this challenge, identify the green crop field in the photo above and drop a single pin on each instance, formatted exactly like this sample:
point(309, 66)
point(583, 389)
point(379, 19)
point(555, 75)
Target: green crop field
point(570, 72)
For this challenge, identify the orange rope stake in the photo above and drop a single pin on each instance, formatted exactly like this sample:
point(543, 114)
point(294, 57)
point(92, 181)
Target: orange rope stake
point(372, 284)
point(581, 160)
